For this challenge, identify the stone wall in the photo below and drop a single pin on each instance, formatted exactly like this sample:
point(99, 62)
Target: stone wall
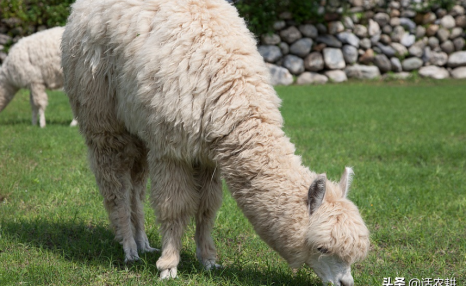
point(370, 39)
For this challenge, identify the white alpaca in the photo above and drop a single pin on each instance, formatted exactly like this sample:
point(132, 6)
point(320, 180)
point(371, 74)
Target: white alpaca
point(177, 90)
point(33, 63)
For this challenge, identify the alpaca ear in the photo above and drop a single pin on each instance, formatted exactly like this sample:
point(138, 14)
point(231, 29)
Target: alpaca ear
point(345, 181)
point(316, 193)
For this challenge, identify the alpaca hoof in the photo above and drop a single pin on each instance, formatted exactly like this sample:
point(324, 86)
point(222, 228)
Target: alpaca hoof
point(211, 265)
point(131, 259)
point(150, 249)
point(168, 273)
point(74, 123)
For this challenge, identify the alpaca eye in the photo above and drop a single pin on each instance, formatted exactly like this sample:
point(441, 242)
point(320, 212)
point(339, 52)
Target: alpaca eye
point(322, 250)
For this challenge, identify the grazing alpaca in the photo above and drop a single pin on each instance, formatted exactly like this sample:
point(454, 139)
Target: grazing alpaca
point(177, 90)
point(33, 63)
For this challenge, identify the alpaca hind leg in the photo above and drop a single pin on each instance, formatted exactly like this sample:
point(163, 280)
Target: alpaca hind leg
point(139, 174)
point(175, 198)
point(39, 101)
point(210, 201)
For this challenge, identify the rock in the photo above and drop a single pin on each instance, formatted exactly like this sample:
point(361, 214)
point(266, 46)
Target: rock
point(387, 29)
point(457, 59)
point(356, 3)
point(285, 15)
point(398, 33)
point(408, 14)
point(411, 64)
point(279, 75)
point(367, 57)
point(459, 73)
point(438, 59)
point(448, 22)
point(400, 50)
point(336, 76)
point(395, 13)
point(458, 43)
point(385, 39)
point(416, 51)
point(314, 62)
point(309, 31)
point(429, 18)
point(432, 30)
point(365, 43)
point(321, 28)
point(400, 75)
point(333, 58)
point(374, 28)
point(5, 39)
point(434, 72)
point(271, 39)
point(310, 78)
point(278, 25)
point(335, 27)
point(294, 64)
point(443, 34)
point(420, 32)
point(329, 40)
point(290, 35)
point(394, 22)
point(408, 24)
point(396, 64)
point(347, 22)
point(270, 53)
point(360, 31)
point(433, 42)
point(382, 18)
point(460, 21)
point(348, 38)
point(457, 10)
point(375, 39)
point(319, 47)
point(441, 13)
point(284, 48)
point(447, 47)
point(383, 63)
point(407, 40)
point(301, 47)
point(386, 50)
point(455, 33)
point(362, 72)
point(350, 54)
point(2, 57)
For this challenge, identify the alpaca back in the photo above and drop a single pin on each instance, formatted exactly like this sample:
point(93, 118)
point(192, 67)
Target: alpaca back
point(185, 71)
point(36, 59)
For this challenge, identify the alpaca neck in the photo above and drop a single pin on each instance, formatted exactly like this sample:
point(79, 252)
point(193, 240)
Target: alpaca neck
point(269, 184)
point(7, 90)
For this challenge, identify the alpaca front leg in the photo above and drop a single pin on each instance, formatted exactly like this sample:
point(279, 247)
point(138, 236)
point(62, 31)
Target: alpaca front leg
point(210, 201)
point(175, 199)
point(38, 99)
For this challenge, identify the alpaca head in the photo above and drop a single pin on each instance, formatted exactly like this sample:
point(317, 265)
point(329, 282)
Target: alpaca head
point(337, 234)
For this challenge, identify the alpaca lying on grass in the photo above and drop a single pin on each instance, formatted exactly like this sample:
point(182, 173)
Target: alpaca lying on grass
point(33, 63)
point(177, 91)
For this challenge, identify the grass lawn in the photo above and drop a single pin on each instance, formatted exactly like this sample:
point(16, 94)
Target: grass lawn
point(405, 140)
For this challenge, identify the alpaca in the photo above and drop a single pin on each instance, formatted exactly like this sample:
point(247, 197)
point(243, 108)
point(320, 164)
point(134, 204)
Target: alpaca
point(33, 63)
point(177, 91)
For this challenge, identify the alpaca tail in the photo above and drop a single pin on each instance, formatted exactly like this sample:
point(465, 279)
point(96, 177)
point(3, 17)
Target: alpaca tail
point(7, 91)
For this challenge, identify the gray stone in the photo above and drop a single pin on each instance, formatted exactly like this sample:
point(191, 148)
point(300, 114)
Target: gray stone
point(433, 42)
point(438, 59)
point(365, 43)
point(448, 47)
point(458, 43)
point(284, 48)
point(385, 39)
point(407, 40)
point(443, 34)
point(314, 62)
point(426, 55)
point(408, 14)
point(290, 35)
point(362, 72)
point(429, 18)
point(333, 58)
point(309, 31)
point(374, 28)
point(270, 39)
point(432, 30)
point(329, 40)
point(278, 25)
point(416, 50)
point(382, 18)
point(441, 13)
point(411, 64)
point(459, 73)
point(455, 33)
point(383, 63)
point(294, 64)
point(396, 64)
point(386, 50)
point(311, 78)
point(5, 39)
point(335, 27)
point(375, 39)
point(2, 57)
point(461, 21)
point(349, 38)
point(398, 33)
point(394, 22)
point(420, 32)
point(360, 31)
point(336, 75)
point(350, 54)
point(448, 22)
point(408, 24)
point(457, 10)
point(270, 53)
point(399, 49)
point(301, 47)
point(394, 5)
point(434, 72)
point(457, 59)
point(400, 75)
point(347, 22)
point(279, 75)
point(387, 29)
point(321, 28)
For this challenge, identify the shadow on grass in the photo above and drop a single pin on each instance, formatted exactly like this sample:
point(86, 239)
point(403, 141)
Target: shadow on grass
point(95, 245)
point(24, 121)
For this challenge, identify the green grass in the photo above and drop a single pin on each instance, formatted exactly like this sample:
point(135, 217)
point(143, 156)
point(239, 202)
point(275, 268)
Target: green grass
point(406, 142)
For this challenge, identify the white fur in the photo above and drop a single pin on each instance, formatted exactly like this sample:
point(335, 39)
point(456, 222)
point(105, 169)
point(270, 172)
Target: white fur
point(177, 90)
point(33, 63)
